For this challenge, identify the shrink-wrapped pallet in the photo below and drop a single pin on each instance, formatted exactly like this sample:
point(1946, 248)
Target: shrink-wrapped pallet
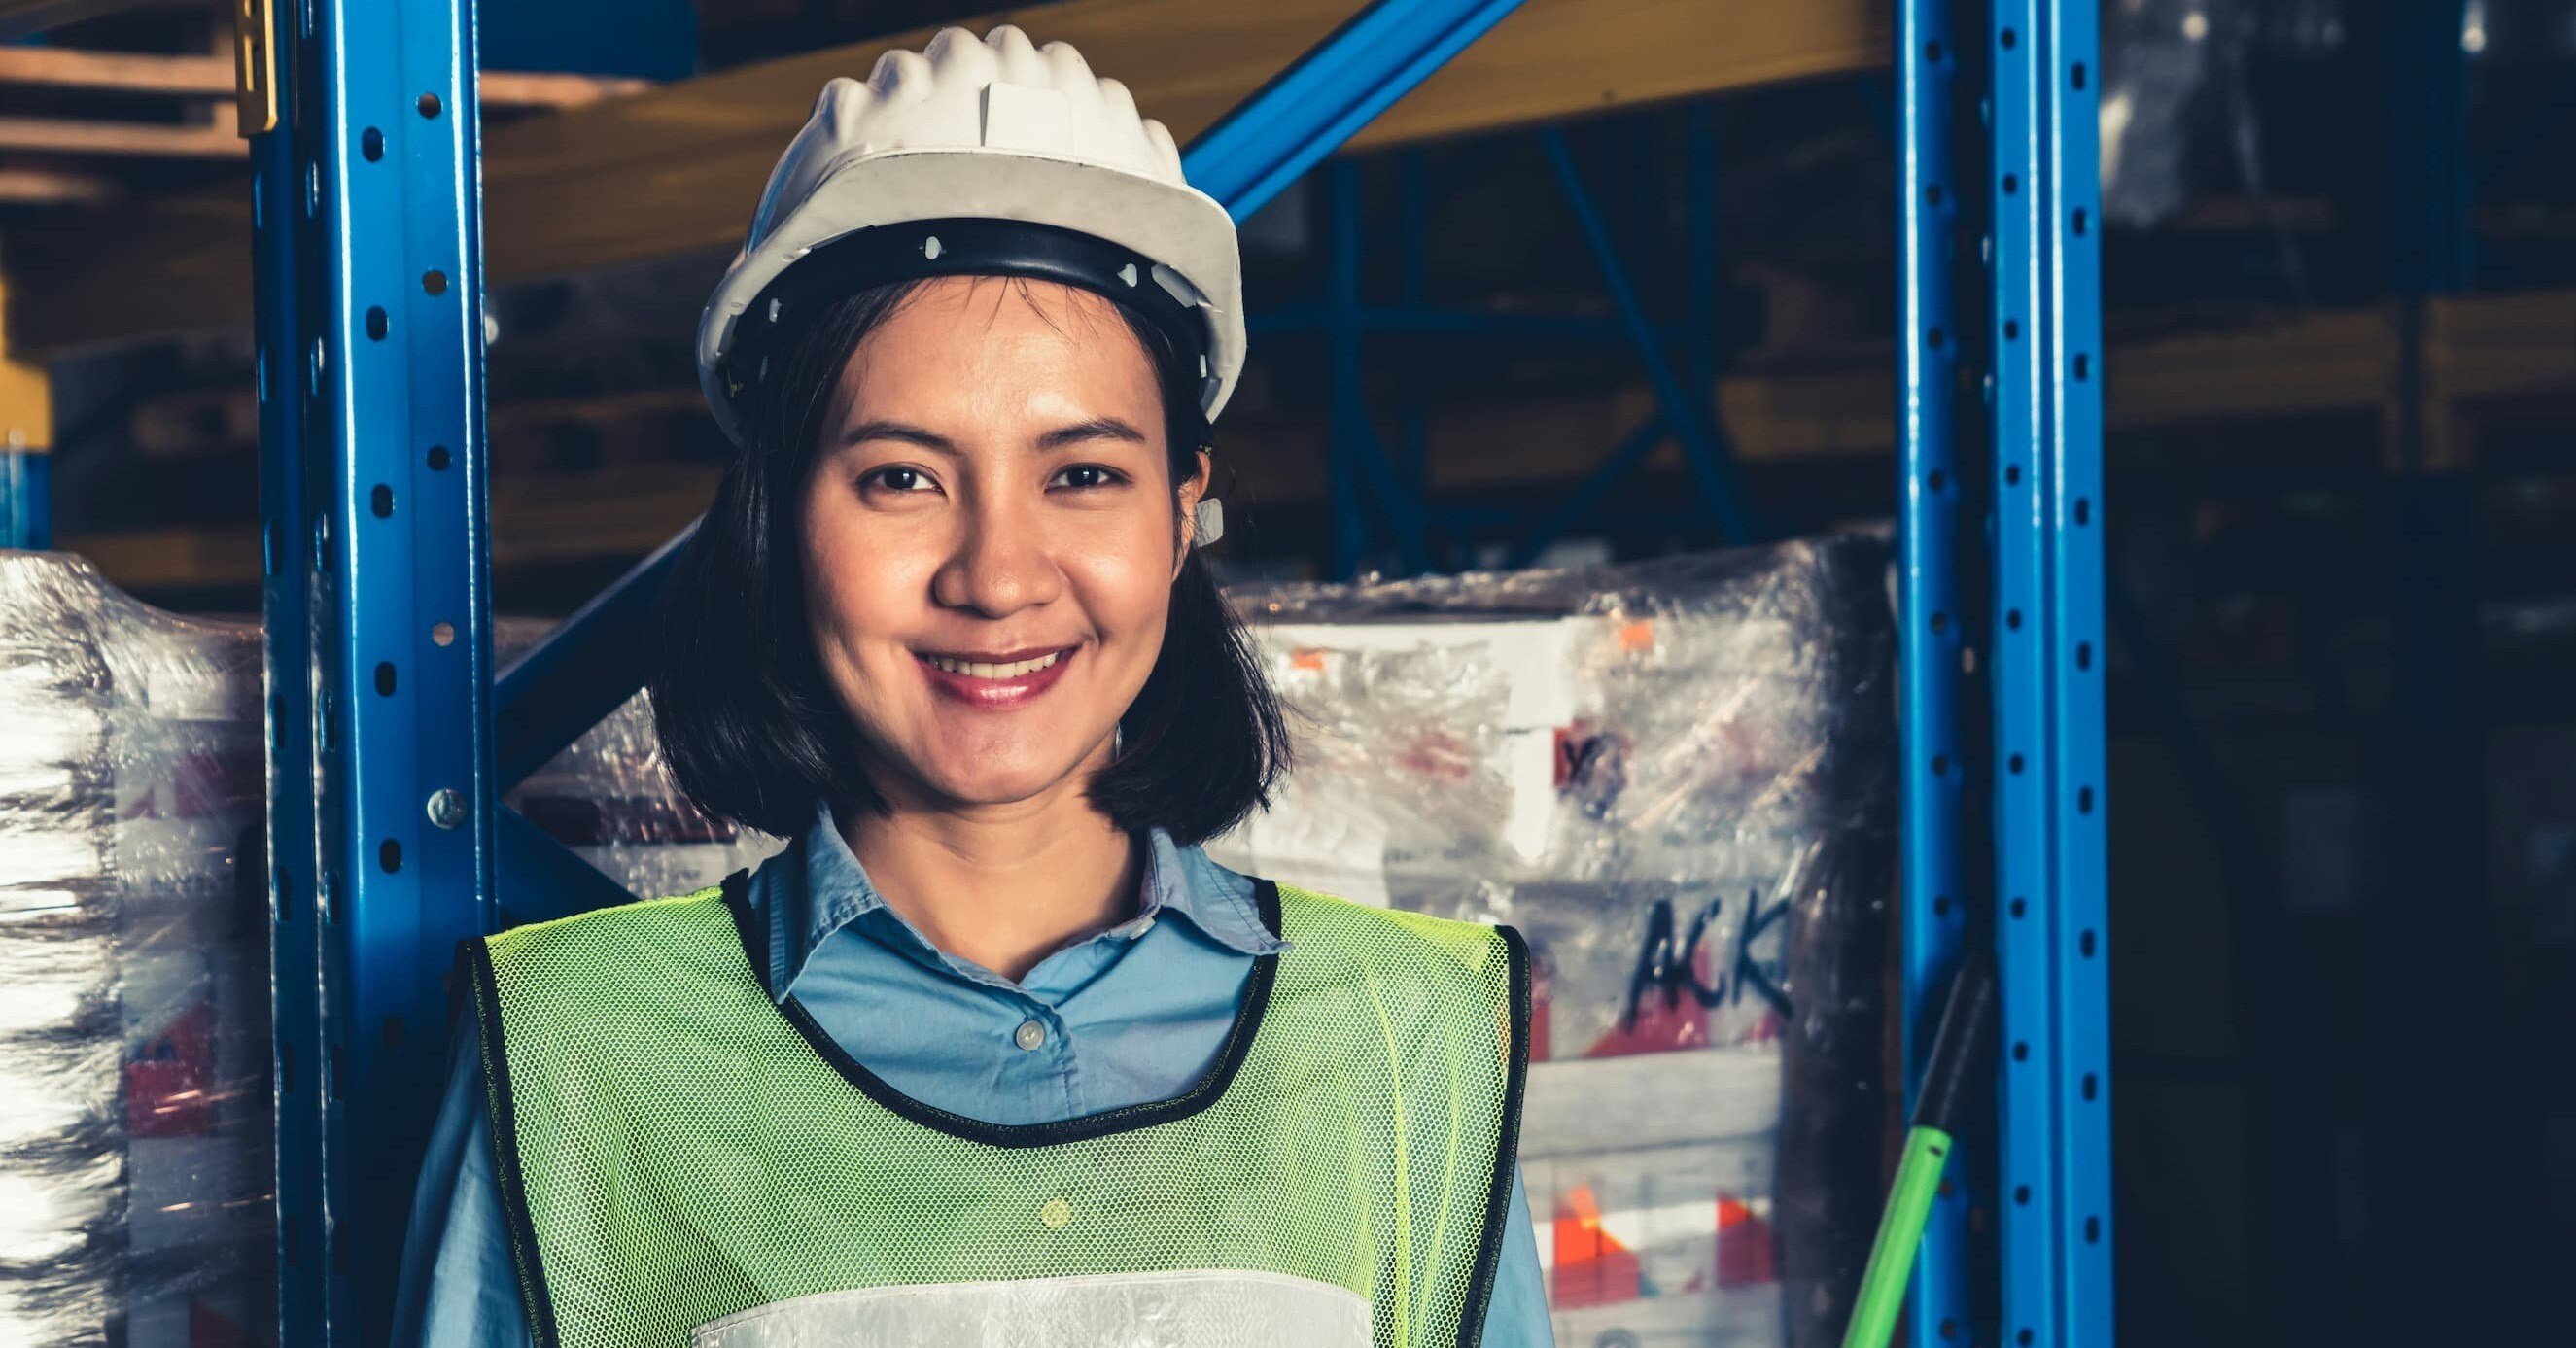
point(134, 1106)
point(1676, 779)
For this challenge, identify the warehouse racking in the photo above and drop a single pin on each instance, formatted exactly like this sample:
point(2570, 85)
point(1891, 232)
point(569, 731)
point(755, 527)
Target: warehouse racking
point(390, 739)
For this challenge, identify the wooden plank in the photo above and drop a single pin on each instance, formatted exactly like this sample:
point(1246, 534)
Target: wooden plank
point(536, 518)
point(20, 17)
point(128, 72)
point(2512, 347)
point(2499, 346)
point(687, 160)
point(509, 89)
point(55, 187)
point(212, 77)
point(675, 170)
point(52, 135)
point(1554, 59)
point(171, 559)
point(2325, 361)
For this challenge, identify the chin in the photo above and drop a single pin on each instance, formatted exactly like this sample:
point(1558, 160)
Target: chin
point(998, 784)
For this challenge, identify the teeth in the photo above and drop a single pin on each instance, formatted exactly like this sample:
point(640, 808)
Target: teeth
point(976, 670)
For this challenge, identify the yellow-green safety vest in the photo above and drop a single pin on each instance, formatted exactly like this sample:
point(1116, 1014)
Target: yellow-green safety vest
point(687, 1161)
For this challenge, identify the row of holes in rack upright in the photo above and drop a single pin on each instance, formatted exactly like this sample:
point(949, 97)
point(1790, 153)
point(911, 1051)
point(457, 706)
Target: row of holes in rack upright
point(1936, 54)
point(381, 504)
point(2079, 223)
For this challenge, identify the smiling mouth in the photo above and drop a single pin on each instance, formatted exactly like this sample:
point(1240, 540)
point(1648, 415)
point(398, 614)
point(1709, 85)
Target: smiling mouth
point(989, 669)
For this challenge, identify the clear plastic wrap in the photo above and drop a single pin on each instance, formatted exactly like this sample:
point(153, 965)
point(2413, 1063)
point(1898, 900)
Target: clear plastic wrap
point(1676, 779)
point(2159, 57)
point(134, 1046)
point(135, 1120)
point(609, 798)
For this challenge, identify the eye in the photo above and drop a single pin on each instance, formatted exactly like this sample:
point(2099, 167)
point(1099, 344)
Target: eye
point(899, 479)
point(1088, 476)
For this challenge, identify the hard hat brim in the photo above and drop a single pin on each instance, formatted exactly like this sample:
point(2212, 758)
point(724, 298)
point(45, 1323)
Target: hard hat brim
point(1179, 226)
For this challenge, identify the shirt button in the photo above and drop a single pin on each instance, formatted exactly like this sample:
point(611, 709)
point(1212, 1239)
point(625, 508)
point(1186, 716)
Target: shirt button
point(1029, 1035)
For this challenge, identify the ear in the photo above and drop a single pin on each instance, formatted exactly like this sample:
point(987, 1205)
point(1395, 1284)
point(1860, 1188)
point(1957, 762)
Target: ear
point(1191, 492)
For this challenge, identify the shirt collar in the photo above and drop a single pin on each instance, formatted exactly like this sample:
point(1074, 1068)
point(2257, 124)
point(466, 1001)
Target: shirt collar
point(816, 887)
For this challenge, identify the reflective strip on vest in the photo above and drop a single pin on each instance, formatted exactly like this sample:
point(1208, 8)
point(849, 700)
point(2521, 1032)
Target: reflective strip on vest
point(1203, 1309)
point(681, 1155)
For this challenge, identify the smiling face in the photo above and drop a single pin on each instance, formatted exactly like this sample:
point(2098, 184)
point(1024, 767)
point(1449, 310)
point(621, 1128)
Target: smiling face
point(989, 540)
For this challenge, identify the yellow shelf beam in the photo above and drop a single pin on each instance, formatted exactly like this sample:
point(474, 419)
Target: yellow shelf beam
point(212, 77)
point(674, 170)
point(2484, 352)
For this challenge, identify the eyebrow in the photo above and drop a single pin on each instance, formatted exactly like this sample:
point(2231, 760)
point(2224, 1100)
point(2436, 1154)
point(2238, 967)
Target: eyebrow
point(896, 430)
point(1098, 428)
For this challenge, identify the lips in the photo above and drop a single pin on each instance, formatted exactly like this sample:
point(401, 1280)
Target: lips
point(982, 669)
point(995, 680)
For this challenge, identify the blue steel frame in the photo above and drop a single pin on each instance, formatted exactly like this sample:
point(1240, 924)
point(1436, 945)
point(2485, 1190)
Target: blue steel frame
point(1705, 452)
point(382, 723)
point(1366, 480)
point(586, 668)
point(26, 498)
point(2048, 760)
point(370, 393)
point(1932, 758)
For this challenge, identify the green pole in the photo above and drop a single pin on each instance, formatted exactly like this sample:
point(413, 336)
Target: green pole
point(1900, 1230)
point(1967, 1023)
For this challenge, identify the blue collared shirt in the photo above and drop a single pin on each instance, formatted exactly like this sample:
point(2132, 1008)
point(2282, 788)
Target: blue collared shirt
point(1133, 1014)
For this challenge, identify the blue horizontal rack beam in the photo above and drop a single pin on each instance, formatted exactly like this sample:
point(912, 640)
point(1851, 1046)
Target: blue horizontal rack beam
point(1367, 481)
point(370, 394)
point(1304, 114)
point(1287, 127)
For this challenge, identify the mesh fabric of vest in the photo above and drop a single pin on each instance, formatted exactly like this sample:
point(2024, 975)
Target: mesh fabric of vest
point(675, 1146)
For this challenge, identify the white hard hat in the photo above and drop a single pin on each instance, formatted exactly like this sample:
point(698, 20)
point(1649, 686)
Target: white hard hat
point(969, 157)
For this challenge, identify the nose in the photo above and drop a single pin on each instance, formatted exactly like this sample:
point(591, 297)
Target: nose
point(999, 564)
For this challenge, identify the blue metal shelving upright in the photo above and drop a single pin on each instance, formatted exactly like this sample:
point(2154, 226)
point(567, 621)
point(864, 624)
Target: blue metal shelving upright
point(26, 498)
point(389, 740)
point(2038, 634)
point(2044, 638)
point(1933, 760)
point(370, 395)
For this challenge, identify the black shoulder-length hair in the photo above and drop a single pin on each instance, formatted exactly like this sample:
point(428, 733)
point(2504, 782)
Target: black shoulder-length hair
point(751, 731)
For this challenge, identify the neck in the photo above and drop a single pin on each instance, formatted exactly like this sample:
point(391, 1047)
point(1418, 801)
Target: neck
point(1002, 886)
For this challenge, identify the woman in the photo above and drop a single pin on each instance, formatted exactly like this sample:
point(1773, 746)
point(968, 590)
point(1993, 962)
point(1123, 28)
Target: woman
point(991, 1053)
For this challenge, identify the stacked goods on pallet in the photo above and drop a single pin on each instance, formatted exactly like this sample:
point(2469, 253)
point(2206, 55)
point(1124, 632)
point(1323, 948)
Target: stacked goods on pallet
point(607, 797)
point(1676, 779)
point(135, 1113)
point(134, 1047)
point(1673, 778)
